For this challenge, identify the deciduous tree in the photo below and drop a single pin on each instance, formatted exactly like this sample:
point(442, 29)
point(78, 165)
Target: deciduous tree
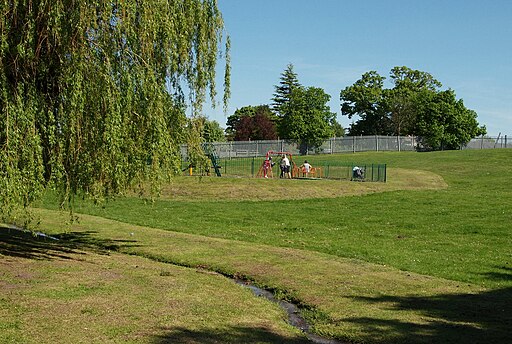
point(444, 122)
point(252, 123)
point(307, 118)
point(401, 100)
point(365, 99)
point(93, 94)
point(212, 132)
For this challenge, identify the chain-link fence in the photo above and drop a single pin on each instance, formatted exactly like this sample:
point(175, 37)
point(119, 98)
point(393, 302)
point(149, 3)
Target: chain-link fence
point(243, 158)
point(486, 142)
point(244, 149)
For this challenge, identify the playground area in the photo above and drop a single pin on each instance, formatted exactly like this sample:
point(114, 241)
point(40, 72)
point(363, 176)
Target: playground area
point(299, 167)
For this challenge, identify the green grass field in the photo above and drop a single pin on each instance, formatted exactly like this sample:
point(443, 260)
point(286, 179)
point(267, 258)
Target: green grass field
point(423, 258)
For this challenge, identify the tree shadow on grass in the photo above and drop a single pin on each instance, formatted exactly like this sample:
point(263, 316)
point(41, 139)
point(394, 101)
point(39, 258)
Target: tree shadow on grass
point(248, 335)
point(503, 274)
point(25, 244)
point(450, 318)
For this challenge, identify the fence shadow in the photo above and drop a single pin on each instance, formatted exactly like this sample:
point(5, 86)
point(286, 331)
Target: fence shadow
point(33, 245)
point(451, 318)
point(246, 335)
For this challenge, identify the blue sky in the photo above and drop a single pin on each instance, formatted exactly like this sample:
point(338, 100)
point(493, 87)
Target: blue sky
point(466, 45)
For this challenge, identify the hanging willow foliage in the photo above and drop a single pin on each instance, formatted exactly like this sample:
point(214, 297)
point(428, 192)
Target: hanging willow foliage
point(93, 93)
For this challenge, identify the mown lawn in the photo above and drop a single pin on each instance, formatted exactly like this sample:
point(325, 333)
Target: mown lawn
point(76, 290)
point(423, 258)
point(458, 230)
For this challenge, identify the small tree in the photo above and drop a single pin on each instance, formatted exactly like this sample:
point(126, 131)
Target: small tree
point(212, 132)
point(308, 120)
point(252, 123)
point(337, 128)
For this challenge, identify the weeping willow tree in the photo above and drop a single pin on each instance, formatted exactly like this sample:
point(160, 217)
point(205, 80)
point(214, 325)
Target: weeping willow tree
point(94, 93)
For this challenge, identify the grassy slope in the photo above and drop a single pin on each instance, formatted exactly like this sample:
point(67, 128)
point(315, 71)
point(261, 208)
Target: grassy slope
point(459, 232)
point(352, 300)
point(70, 291)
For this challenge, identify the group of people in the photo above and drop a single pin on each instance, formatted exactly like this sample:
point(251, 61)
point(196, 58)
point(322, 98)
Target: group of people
point(285, 167)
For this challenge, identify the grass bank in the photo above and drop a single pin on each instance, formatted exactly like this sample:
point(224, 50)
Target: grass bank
point(80, 290)
point(348, 299)
point(444, 214)
point(423, 258)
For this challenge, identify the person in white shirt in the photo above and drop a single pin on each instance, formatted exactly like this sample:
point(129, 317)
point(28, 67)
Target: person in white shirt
point(306, 168)
point(285, 167)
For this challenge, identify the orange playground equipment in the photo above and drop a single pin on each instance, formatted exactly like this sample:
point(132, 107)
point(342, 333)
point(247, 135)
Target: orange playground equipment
point(301, 172)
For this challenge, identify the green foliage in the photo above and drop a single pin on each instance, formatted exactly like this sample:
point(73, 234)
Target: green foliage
point(404, 77)
point(21, 177)
point(304, 116)
point(308, 119)
point(365, 99)
point(211, 130)
point(195, 140)
point(445, 123)
point(93, 94)
point(337, 128)
point(402, 101)
point(414, 106)
point(289, 81)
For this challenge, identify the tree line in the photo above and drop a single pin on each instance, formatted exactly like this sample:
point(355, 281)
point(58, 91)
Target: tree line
point(415, 105)
point(297, 113)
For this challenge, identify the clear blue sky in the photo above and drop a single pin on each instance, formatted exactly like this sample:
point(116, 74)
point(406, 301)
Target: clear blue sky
point(465, 44)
